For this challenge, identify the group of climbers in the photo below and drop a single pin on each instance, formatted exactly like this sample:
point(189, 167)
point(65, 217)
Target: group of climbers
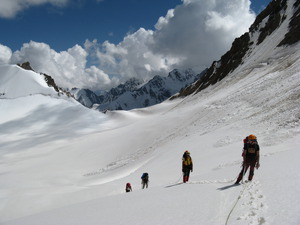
point(250, 159)
point(144, 182)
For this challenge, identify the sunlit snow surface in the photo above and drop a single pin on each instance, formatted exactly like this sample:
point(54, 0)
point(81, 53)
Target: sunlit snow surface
point(61, 163)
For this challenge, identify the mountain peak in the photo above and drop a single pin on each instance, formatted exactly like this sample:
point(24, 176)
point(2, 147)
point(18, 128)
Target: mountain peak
point(135, 94)
point(26, 66)
point(17, 82)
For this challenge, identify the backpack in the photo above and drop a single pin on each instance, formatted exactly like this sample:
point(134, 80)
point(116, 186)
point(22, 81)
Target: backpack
point(187, 161)
point(128, 187)
point(246, 140)
point(145, 176)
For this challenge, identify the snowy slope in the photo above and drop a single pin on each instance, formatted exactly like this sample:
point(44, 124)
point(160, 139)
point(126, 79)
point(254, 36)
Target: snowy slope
point(83, 165)
point(16, 82)
point(61, 163)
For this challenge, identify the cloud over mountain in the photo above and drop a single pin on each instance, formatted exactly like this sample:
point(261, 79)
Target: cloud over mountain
point(191, 35)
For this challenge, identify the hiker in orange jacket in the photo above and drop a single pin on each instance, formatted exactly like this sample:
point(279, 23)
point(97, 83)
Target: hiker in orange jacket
point(250, 158)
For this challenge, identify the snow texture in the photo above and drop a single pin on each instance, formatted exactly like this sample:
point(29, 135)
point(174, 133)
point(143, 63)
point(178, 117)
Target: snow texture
point(61, 163)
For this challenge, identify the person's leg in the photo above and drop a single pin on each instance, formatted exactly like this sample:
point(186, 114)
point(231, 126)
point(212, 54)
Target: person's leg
point(251, 173)
point(187, 175)
point(143, 184)
point(242, 173)
point(184, 176)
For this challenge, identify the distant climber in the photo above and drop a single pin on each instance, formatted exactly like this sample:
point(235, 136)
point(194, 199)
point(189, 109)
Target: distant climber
point(187, 166)
point(250, 158)
point(145, 180)
point(128, 187)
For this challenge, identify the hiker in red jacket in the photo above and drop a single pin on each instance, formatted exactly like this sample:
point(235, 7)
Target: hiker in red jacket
point(250, 158)
point(128, 187)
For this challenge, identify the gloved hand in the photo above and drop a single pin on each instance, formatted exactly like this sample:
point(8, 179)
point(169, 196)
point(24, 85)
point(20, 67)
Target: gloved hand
point(257, 165)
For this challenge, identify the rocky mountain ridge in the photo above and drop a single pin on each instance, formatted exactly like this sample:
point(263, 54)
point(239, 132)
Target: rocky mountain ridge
point(267, 22)
point(136, 94)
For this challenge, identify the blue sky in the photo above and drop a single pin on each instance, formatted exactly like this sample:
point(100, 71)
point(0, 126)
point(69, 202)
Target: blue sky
point(106, 30)
point(63, 27)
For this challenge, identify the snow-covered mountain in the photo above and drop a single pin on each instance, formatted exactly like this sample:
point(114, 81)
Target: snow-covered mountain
point(88, 98)
point(62, 163)
point(153, 92)
point(134, 94)
point(243, 51)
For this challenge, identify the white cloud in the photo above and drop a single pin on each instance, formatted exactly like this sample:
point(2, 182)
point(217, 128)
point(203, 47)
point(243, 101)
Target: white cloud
point(191, 35)
point(132, 57)
point(163, 20)
point(10, 8)
point(68, 68)
point(201, 31)
point(5, 54)
point(99, 78)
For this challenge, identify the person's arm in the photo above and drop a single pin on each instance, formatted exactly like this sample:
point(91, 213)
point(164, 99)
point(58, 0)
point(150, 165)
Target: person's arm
point(244, 154)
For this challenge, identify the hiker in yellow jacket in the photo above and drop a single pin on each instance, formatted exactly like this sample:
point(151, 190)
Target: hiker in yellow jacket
point(187, 166)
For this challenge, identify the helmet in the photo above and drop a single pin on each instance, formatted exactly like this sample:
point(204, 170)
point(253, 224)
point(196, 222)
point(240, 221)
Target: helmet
point(252, 137)
point(187, 152)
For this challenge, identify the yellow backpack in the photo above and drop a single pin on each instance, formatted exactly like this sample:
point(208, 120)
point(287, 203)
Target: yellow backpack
point(187, 161)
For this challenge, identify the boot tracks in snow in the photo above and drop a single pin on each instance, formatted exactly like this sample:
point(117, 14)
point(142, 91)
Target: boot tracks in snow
point(244, 183)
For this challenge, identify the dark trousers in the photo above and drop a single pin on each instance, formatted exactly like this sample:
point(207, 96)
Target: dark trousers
point(145, 183)
point(186, 174)
point(244, 170)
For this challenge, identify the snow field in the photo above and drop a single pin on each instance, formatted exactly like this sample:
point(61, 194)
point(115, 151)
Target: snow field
point(62, 163)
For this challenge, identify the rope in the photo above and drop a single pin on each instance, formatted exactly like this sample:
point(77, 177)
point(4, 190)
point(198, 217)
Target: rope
point(179, 178)
point(235, 204)
point(239, 197)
